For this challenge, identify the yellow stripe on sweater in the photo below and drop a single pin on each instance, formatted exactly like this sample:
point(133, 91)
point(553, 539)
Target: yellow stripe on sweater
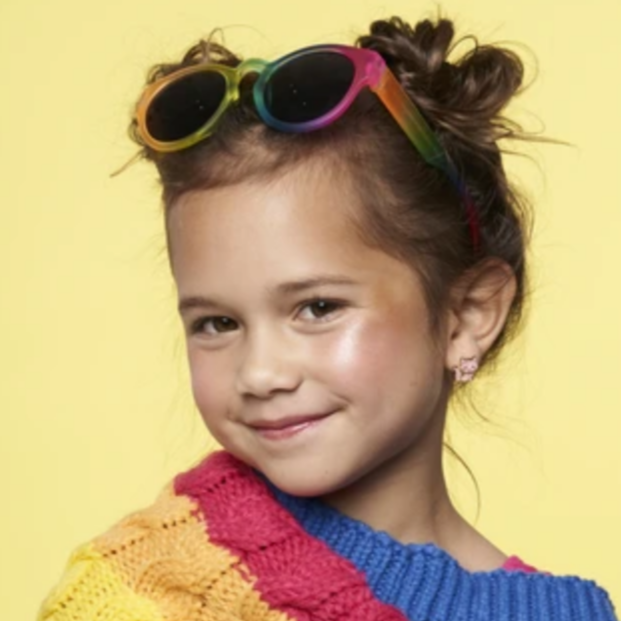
point(91, 589)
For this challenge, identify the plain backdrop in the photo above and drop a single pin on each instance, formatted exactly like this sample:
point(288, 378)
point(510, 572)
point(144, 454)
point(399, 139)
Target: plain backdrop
point(95, 404)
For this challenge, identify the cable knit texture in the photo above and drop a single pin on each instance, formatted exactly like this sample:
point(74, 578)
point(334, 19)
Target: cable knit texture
point(222, 543)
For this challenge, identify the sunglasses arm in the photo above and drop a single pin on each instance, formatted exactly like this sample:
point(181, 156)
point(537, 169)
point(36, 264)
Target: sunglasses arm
point(405, 112)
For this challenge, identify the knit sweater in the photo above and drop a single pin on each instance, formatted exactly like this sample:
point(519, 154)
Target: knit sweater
point(222, 543)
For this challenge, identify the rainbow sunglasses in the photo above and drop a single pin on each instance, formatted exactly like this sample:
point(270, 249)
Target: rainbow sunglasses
point(303, 91)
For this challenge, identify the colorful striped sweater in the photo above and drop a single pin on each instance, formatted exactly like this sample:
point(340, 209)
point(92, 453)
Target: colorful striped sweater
point(222, 543)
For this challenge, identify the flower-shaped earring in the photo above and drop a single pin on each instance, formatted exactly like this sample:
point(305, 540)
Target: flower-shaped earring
point(465, 370)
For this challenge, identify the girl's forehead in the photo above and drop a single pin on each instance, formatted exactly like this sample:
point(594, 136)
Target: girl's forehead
point(272, 232)
point(290, 216)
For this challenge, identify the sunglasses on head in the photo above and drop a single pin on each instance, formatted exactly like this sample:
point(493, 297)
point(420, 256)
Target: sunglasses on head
point(303, 91)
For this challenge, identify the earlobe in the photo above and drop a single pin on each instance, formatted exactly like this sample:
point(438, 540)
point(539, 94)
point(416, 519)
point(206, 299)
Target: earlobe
point(481, 302)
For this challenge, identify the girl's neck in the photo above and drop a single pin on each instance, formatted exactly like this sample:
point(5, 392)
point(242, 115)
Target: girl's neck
point(407, 497)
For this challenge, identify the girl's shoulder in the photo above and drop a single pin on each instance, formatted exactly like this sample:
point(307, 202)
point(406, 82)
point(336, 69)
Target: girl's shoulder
point(218, 542)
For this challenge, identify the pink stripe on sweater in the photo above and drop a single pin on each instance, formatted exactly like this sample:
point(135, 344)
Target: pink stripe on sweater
point(515, 563)
point(296, 573)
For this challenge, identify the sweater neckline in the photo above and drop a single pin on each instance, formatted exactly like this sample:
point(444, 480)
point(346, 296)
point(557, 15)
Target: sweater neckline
point(322, 519)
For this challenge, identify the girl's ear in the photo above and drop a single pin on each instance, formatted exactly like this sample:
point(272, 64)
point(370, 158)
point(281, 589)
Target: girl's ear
point(480, 303)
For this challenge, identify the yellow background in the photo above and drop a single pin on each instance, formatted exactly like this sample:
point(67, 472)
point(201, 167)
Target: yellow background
point(95, 405)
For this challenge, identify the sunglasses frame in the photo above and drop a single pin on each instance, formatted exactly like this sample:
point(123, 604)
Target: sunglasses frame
point(370, 70)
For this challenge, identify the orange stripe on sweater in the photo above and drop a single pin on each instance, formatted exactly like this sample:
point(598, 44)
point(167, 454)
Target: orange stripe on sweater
point(164, 553)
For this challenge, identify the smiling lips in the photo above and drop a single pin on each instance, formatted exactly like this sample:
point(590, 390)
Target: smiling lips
point(287, 426)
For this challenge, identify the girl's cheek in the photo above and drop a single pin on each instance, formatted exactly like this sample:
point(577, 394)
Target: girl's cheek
point(367, 350)
point(207, 384)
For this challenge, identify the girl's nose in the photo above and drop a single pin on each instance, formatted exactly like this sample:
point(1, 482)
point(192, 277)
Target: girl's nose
point(267, 365)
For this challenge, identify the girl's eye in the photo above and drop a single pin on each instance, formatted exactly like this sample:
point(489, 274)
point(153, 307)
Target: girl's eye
point(211, 326)
point(321, 308)
point(218, 325)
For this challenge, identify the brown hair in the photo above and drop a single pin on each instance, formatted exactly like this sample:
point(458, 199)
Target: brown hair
point(408, 209)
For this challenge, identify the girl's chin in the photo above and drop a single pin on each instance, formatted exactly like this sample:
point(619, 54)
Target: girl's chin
point(296, 472)
point(306, 484)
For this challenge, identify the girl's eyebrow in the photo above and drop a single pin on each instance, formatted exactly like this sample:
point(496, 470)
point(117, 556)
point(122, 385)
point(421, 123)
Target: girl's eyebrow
point(295, 286)
point(282, 289)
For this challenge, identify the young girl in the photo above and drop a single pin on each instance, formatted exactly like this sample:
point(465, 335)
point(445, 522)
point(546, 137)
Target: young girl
point(347, 253)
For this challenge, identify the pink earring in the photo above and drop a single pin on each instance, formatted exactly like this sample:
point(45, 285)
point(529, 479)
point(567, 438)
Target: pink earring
point(464, 372)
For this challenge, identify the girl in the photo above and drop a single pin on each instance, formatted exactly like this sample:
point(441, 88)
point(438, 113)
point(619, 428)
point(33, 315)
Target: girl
point(347, 254)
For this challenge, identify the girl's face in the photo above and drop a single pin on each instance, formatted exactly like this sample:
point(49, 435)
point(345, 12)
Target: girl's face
point(288, 314)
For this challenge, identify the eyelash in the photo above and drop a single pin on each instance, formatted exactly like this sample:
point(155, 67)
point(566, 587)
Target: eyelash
point(198, 326)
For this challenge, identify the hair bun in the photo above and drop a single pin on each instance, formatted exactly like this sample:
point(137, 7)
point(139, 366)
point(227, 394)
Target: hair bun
point(464, 96)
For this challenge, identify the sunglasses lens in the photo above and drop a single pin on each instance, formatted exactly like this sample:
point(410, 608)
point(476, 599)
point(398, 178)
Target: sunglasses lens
point(306, 88)
point(185, 105)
